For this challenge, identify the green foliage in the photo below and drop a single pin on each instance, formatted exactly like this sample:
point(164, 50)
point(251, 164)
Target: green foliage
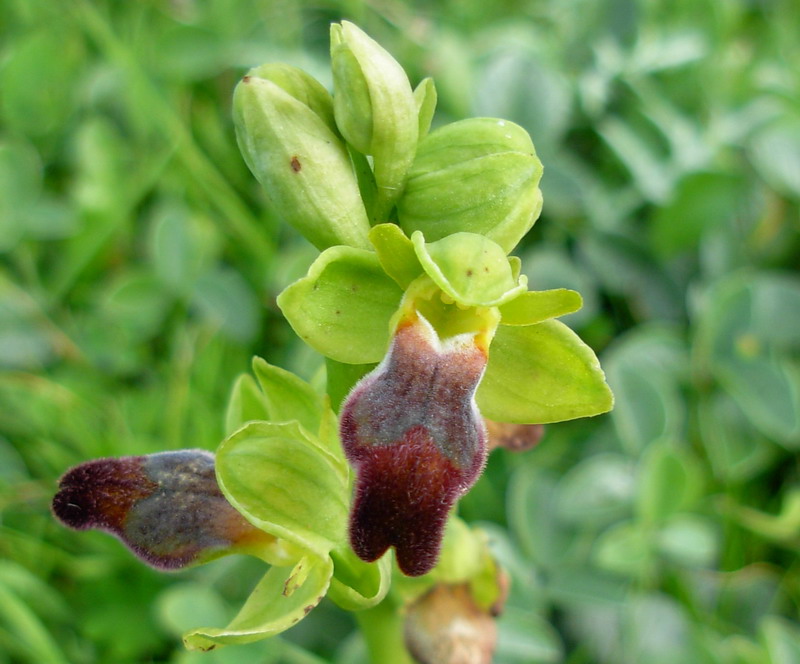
point(140, 266)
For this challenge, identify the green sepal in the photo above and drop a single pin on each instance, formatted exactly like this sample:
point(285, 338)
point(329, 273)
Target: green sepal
point(328, 439)
point(357, 585)
point(536, 306)
point(342, 308)
point(284, 483)
point(541, 373)
point(426, 97)
point(270, 609)
point(303, 165)
point(396, 253)
point(479, 175)
point(287, 396)
point(470, 268)
point(341, 379)
point(245, 404)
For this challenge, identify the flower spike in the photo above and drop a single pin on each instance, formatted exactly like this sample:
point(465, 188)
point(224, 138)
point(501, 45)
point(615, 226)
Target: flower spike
point(413, 432)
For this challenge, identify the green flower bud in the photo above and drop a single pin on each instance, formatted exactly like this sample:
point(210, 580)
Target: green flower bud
point(375, 109)
point(480, 176)
point(285, 132)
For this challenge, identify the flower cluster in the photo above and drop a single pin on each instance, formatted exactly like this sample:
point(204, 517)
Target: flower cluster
point(427, 326)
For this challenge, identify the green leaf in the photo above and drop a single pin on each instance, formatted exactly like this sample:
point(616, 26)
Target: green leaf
point(548, 267)
point(689, 540)
point(624, 266)
point(703, 201)
point(343, 307)
point(30, 106)
point(287, 396)
point(736, 449)
point(227, 301)
point(470, 268)
point(670, 480)
point(29, 634)
point(775, 150)
point(583, 586)
point(542, 373)
point(657, 631)
point(747, 338)
point(182, 246)
point(536, 306)
point(626, 549)
point(138, 303)
point(597, 490)
point(246, 404)
point(782, 639)
point(20, 189)
point(271, 608)
point(525, 637)
point(644, 369)
point(183, 605)
point(395, 253)
point(532, 516)
point(358, 585)
point(284, 484)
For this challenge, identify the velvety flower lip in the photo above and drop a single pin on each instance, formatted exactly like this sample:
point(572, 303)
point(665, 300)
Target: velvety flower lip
point(166, 507)
point(412, 431)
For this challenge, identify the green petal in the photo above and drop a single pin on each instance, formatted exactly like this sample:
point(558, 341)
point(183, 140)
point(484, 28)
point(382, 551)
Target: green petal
point(425, 95)
point(271, 608)
point(536, 306)
point(357, 585)
point(395, 253)
point(283, 483)
point(342, 308)
point(470, 268)
point(245, 404)
point(542, 373)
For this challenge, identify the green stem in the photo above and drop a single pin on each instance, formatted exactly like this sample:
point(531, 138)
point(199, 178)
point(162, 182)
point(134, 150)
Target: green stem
point(382, 627)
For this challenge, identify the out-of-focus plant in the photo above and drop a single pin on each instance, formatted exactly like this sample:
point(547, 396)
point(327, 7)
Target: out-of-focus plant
point(134, 287)
point(456, 335)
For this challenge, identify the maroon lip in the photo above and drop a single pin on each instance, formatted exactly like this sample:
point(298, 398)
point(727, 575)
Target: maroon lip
point(412, 431)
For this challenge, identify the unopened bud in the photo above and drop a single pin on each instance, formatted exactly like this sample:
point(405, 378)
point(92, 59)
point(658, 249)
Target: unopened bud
point(446, 626)
point(480, 176)
point(375, 109)
point(284, 129)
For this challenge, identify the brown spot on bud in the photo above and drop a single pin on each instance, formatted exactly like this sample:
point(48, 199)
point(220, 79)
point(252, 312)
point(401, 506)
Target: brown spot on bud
point(295, 164)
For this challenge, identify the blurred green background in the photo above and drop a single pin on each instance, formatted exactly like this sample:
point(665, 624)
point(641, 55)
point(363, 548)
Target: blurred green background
point(139, 269)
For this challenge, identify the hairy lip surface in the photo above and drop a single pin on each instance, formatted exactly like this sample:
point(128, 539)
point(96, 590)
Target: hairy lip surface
point(412, 431)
